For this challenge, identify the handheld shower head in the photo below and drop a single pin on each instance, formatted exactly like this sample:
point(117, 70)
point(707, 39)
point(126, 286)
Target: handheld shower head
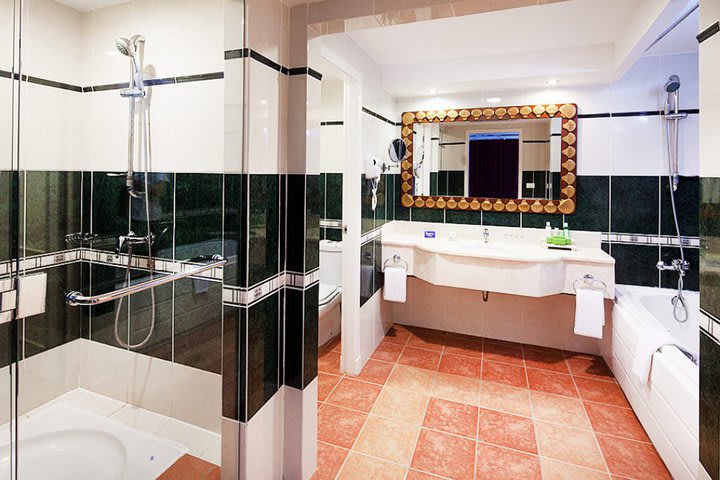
point(673, 84)
point(129, 49)
point(125, 46)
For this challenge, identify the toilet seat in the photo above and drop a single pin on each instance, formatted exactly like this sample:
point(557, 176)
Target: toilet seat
point(329, 296)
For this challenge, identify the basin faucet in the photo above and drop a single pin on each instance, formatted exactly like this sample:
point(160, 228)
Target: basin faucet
point(486, 235)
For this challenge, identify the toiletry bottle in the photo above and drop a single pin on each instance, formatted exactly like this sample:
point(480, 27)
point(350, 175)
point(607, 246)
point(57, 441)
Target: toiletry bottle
point(566, 231)
point(548, 230)
point(556, 232)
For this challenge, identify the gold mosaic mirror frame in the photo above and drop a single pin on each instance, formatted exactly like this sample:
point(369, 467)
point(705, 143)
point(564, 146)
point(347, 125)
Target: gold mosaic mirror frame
point(568, 173)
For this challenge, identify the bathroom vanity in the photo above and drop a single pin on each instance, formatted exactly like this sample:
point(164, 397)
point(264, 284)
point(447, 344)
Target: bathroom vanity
point(512, 260)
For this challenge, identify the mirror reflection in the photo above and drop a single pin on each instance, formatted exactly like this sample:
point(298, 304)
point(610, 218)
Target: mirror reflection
point(499, 159)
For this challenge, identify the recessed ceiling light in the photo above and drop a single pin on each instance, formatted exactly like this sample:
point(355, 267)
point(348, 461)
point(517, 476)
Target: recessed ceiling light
point(433, 90)
point(494, 100)
point(553, 81)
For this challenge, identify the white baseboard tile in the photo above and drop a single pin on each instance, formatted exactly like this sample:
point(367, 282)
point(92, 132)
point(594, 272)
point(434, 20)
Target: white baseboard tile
point(261, 442)
point(300, 439)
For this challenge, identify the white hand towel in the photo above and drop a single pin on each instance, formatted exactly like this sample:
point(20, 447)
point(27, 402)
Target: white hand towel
point(366, 280)
point(589, 312)
point(395, 289)
point(650, 343)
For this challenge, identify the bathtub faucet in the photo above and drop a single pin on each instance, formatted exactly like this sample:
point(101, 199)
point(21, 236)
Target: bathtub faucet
point(679, 265)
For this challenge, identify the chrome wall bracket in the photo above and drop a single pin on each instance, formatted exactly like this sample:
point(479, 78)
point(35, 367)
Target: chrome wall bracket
point(22, 297)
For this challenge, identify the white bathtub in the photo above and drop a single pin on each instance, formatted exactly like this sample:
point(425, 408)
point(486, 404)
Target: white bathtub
point(667, 405)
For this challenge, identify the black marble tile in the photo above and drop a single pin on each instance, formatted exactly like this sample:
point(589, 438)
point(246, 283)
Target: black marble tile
point(86, 198)
point(334, 196)
point(198, 324)
point(334, 234)
point(283, 222)
point(669, 279)
point(433, 215)
point(709, 401)
point(367, 269)
point(110, 215)
point(381, 209)
point(687, 201)
point(635, 264)
point(456, 183)
point(634, 204)
point(53, 210)
point(710, 241)
point(198, 215)
point(159, 345)
point(527, 177)
point(400, 213)
point(538, 220)
point(295, 260)
point(105, 279)
point(9, 215)
point(310, 344)
point(392, 196)
point(463, 217)
point(161, 189)
point(281, 336)
point(438, 183)
point(366, 211)
point(234, 367)
point(263, 260)
point(501, 219)
point(312, 223)
point(379, 275)
point(262, 355)
point(323, 201)
point(294, 337)
point(85, 268)
point(235, 230)
point(593, 205)
point(8, 334)
point(60, 323)
point(556, 187)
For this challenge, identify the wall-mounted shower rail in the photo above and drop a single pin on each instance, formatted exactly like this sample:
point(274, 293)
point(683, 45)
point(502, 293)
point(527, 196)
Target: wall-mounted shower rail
point(76, 299)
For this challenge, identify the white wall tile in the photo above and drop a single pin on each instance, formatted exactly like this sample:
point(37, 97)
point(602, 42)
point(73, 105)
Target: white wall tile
point(689, 147)
point(332, 148)
point(637, 145)
point(685, 65)
point(104, 370)
point(262, 103)
point(150, 384)
point(300, 431)
point(640, 88)
point(203, 410)
point(264, 27)
point(594, 146)
point(234, 116)
point(314, 116)
point(709, 104)
point(261, 443)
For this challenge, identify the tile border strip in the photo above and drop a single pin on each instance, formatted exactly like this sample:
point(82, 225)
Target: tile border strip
point(710, 325)
point(259, 57)
point(328, 223)
point(645, 113)
point(249, 296)
point(649, 239)
point(380, 117)
point(45, 260)
point(708, 32)
point(371, 235)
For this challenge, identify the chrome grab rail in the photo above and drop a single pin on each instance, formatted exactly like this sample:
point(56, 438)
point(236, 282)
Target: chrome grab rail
point(76, 299)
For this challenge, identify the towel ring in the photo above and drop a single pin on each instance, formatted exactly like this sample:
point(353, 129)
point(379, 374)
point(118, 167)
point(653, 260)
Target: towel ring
point(589, 281)
point(396, 259)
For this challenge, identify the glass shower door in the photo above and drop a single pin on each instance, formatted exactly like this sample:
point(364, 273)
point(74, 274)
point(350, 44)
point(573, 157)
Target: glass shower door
point(9, 213)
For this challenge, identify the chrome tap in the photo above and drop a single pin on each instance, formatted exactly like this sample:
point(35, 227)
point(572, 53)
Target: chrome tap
point(486, 235)
point(678, 265)
point(132, 239)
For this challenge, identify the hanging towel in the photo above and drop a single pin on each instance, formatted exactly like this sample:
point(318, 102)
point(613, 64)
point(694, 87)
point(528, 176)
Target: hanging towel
point(366, 280)
point(589, 312)
point(395, 289)
point(650, 343)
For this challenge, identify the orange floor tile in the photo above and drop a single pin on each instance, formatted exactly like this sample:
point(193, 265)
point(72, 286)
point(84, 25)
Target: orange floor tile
point(191, 468)
point(436, 405)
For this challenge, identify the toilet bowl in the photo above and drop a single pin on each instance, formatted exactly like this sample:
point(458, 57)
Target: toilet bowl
point(329, 305)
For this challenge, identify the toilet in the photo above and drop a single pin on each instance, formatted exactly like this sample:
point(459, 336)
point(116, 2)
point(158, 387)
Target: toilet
point(330, 290)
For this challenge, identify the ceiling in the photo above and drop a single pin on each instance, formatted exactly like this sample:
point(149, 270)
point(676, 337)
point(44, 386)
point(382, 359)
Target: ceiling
point(575, 42)
point(88, 5)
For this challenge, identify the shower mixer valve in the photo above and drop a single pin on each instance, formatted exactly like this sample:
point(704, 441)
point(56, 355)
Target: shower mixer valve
point(678, 265)
point(133, 239)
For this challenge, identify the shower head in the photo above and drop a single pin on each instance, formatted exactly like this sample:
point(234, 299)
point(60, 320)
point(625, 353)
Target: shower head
point(129, 48)
point(125, 46)
point(673, 84)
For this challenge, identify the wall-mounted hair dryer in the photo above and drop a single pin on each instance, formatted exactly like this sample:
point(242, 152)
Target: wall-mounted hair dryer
point(374, 169)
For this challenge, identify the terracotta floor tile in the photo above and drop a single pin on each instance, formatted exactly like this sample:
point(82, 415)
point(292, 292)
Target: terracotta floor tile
point(553, 360)
point(387, 439)
point(355, 394)
point(569, 445)
point(452, 417)
point(557, 409)
point(376, 371)
point(554, 470)
point(188, 468)
point(427, 341)
point(326, 383)
point(416, 475)
point(496, 463)
point(387, 352)
point(506, 343)
point(428, 331)
point(504, 373)
point(339, 426)
point(401, 405)
point(360, 467)
point(329, 362)
point(601, 392)
point(330, 459)
point(464, 346)
point(413, 379)
point(589, 366)
point(419, 358)
point(334, 345)
point(459, 365)
point(502, 353)
point(398, 334)
point(445, 455)
point(506, 430)
point(456, 388)
point(636, 460)
point(617, 421)
point(505, 398)
point(214, 474)
point(551, 382)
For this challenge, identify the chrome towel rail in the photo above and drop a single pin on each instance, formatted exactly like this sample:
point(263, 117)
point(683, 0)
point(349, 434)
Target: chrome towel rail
point(75, 298)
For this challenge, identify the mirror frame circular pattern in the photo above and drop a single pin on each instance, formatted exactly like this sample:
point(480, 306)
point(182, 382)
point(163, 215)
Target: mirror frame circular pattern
point(568, 163)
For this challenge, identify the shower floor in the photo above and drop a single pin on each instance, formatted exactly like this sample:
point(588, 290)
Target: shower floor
point(84, 435)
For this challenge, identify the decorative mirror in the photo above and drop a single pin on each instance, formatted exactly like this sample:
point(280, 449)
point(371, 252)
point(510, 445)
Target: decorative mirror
point(504, 159)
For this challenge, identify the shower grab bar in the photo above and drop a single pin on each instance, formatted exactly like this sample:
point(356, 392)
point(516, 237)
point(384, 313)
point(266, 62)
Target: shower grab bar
point(75, 299)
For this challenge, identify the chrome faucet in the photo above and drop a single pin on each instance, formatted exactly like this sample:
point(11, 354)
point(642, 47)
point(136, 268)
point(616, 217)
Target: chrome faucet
point(132, 239)
point(678, 265)
point(486, 235)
